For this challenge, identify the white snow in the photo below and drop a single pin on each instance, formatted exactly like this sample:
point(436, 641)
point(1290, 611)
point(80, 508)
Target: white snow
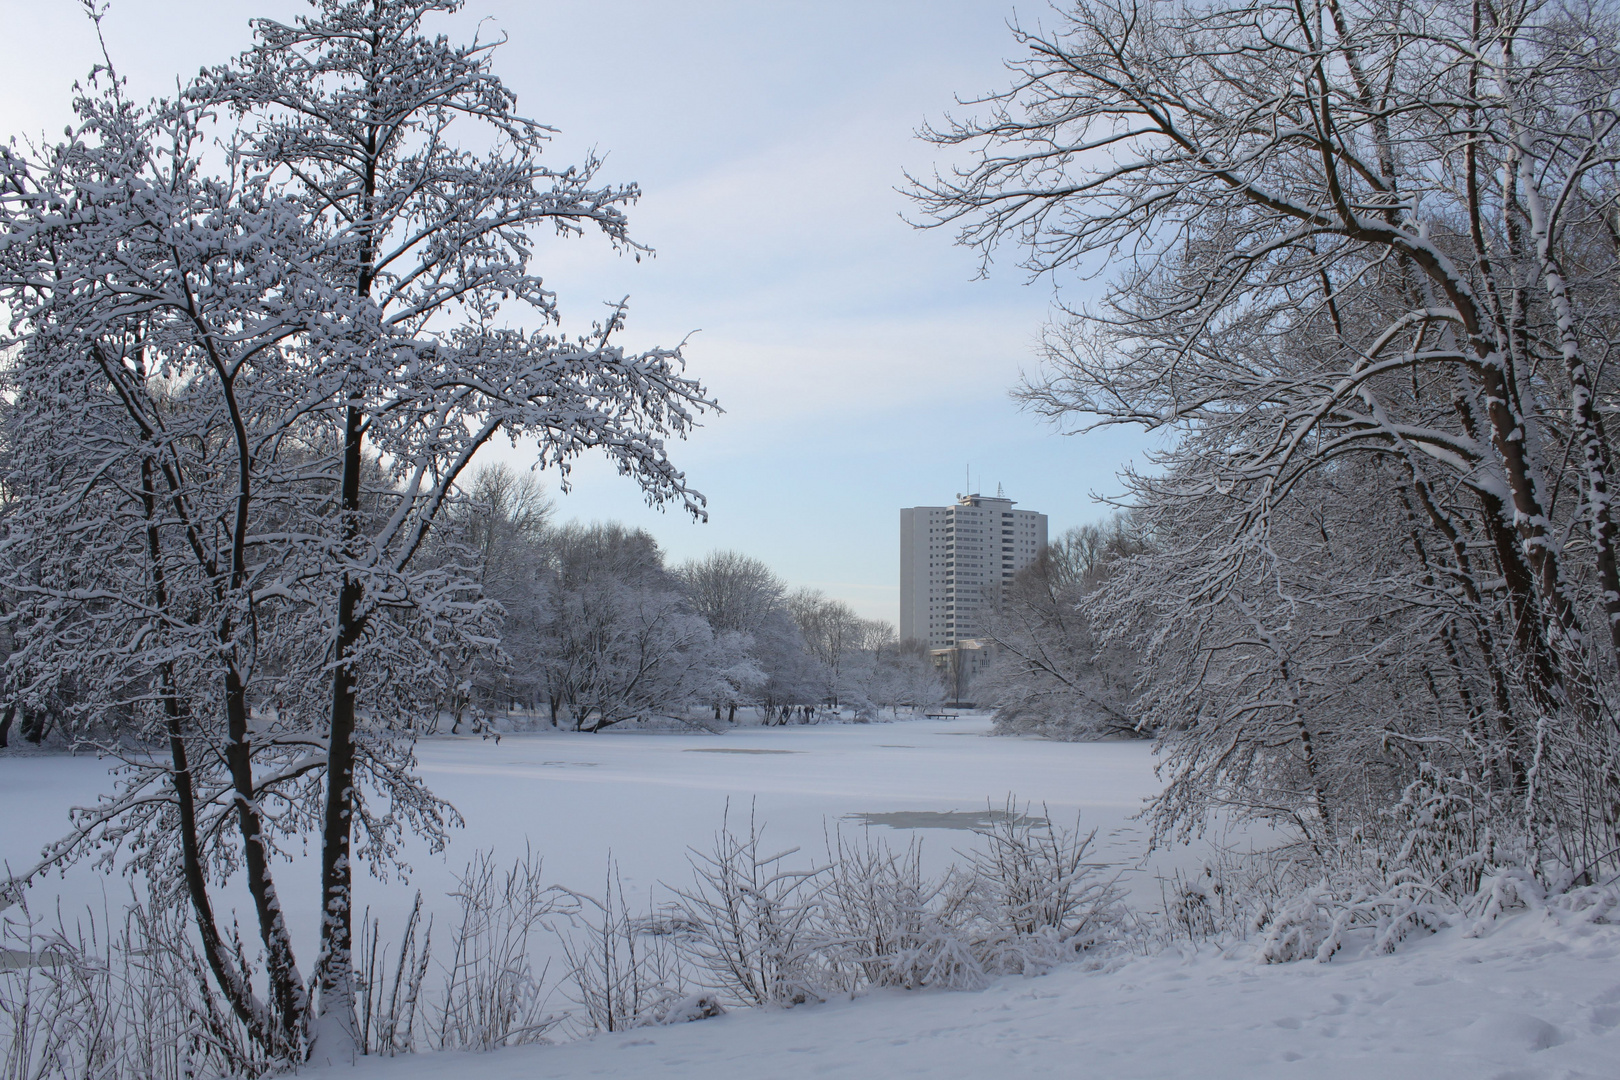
point(646, 797)
point(1538, 996)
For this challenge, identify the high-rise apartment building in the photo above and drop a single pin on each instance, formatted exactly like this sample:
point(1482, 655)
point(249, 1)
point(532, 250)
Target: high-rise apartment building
point(954, 561)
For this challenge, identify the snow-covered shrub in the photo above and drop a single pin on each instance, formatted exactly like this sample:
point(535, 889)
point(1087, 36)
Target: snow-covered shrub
point(883, 923)
point(752, 921)
point(624, 971)
point(1445, 830)
point(389, 1004)
point(1379, 910)
point(1034, 898)
point(114, 1000)
point(1516, 887)
point(1231, 897)
point(1192, 904)
point(762, 932)
point(1299, 928)
point(493, 996)
point(1425, 863)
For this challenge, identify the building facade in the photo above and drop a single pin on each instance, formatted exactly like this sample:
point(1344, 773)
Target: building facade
point(954, 562)
point(960, 664)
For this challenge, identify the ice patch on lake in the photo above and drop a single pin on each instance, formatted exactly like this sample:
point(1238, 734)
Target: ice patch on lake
point(947, 819)
point(728, 750)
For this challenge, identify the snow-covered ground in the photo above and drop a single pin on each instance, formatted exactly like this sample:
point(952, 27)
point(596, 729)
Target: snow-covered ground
point(1538, 999)
point(1538, 996)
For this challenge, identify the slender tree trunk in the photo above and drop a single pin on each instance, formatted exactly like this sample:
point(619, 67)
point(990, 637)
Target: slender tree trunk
point(336, 1036)
point(337, 1014)
point(286, 983)
point(230, 980)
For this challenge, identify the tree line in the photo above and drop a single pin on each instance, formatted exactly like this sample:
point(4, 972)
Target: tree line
point(597, 630)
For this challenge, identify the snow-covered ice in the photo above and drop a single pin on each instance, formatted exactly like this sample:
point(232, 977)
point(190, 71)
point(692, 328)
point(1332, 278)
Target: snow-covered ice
point(646, 797)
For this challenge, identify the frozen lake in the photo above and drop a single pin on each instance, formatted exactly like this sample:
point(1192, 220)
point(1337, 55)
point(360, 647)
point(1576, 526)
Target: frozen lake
point(645, 798)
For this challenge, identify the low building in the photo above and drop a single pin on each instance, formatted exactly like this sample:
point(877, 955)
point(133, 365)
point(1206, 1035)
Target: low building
point(962, 663)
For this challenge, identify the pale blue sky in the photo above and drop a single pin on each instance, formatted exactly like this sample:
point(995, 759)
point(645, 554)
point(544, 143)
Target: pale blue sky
point(861, 366)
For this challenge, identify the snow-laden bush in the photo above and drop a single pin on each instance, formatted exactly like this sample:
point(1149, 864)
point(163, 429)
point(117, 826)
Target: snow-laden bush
point(1230, 897)
point(1445, 853)
point(759, 931)
point(624, 970)
point(493, 996)
point(125, 995)
point(1436, 858)
point(1380, 910)
point(884, 923)
point(752, 921)
point(1035, 900)
point(113, 997)
point(390, 1002)
point(1290, 904)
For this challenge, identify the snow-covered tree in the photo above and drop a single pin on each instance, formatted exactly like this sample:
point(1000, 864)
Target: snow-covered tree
point(1370, 291)
point(1052, 674)
point(502, 522)
point(247, 396)
point(852, 659)
point(735, 592)
point(741, 595)
point(904, 676)
point(620, 639)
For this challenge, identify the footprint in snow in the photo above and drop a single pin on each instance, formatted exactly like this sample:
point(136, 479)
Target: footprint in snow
point(1604, 1017)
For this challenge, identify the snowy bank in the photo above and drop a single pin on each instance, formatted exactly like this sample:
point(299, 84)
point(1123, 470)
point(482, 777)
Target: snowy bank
point(1536, 997)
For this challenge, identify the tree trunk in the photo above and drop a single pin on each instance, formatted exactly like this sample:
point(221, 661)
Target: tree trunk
point(335, 1038)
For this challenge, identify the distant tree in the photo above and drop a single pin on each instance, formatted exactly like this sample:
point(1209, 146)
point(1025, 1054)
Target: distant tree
point(501, 523)
point(904, 676)
point(792, 676)
point(741, 595)
point(503, 517)
point(621, 641)
point(842, 645)
point(736, 593)
point(1054, 674)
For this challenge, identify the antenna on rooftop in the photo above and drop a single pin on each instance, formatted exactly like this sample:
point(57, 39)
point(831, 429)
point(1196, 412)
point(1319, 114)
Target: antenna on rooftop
point(1000, 494)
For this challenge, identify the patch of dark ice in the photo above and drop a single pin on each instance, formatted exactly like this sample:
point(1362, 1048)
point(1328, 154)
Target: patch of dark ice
point(949, 819)
point(737, 750)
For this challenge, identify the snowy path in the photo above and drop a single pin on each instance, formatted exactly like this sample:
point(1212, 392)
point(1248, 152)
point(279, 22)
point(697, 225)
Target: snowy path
point(1535, 1000)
